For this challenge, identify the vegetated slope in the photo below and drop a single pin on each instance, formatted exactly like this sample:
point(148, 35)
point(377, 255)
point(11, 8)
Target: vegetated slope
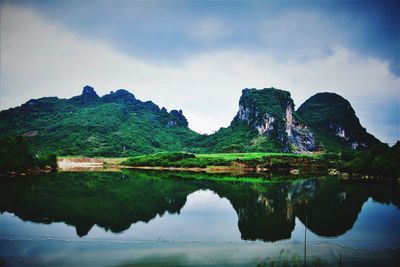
point(15, 157)
point(335, 123)
point(265, 122)
point(116, 124)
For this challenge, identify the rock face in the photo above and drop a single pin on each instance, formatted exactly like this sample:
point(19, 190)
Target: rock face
point(271, 112)
point(89, 91)
point(300, 137)
point(88, 97)
point(178, 119)
point(335, 121)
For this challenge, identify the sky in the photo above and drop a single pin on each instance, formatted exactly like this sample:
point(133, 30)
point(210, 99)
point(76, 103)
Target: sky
point(198, 55)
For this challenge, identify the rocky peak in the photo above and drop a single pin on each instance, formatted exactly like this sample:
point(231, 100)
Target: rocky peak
point(271, 112)
point(88, 97)
point(121, 95)
point(261, 108)
point(89, 91)
point(177, 118)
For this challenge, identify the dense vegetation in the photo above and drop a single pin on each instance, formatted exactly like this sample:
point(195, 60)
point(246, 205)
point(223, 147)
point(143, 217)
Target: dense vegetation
point(270, 161)
point(335, 123)
point(116, 124)
point(238, 137)
point(242, 135)
point(15, 156)
point(378, 161)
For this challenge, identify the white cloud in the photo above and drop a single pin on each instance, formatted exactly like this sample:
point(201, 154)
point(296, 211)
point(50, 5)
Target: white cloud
point(208, 30)
point(302, 34)
point(40, 58)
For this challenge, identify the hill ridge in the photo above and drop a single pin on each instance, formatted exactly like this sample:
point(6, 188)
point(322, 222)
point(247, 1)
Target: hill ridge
point(119, 124)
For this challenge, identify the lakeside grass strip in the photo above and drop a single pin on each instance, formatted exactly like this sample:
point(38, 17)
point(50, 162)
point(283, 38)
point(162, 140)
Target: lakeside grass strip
point(188, 160)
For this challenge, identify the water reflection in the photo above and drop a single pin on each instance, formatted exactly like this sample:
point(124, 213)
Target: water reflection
point(141, 200)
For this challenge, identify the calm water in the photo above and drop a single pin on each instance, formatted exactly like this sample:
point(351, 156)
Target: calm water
point(160, 217)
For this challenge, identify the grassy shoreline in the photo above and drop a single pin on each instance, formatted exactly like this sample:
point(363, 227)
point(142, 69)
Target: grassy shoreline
point(216, 162)
point(235, 160)
point(346, 164)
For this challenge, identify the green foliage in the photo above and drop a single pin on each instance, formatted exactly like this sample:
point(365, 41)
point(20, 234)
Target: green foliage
point(119, 125)
point(269, 100)
point(43, 161)
point(330, 156)
point(378, 161)
point(186, 160)
point(324, 112)
point(114, 125)
point(15, 154)
point(175, 159)
point(238, 137)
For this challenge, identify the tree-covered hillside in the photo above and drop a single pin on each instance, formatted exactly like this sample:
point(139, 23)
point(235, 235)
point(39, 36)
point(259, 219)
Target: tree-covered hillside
point(335, 123)
point(116, 124)
point(265, 122)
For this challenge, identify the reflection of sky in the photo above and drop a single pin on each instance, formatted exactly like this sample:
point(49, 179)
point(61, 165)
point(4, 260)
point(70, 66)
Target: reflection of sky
point(377, 226)
point(207, 217)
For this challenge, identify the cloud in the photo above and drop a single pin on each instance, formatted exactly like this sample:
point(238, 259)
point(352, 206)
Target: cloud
point(41, 58)
point(300, 34)
point(208, 30)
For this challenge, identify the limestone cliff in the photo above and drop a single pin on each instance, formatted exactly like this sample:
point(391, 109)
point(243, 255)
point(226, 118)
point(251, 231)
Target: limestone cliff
point(270, 112)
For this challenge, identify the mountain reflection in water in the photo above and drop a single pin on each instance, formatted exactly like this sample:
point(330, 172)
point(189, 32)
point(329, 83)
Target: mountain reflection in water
point(115, 201)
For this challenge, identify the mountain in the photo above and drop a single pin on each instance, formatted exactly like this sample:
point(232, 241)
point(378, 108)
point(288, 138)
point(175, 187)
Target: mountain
point(116, 124)
point(266, 121)
point(335, 123)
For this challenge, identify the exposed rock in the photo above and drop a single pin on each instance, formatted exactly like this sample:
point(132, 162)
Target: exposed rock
point(88, 97)
point(267, 125)
point(30, 133)
point(270, 112)
point(333, 172)
point(300, 137)
point(178, 119)
point(295, 171)
point(89, 91)
point(334, 119)
point(120, 95)
point(338, 130)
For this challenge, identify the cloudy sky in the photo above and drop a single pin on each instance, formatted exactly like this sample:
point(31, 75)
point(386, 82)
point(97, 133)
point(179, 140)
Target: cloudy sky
point(199, 55)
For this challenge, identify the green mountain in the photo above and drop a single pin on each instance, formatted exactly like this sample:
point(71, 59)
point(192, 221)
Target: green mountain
point(266, 121)
point(116, 124)
point(335, 123)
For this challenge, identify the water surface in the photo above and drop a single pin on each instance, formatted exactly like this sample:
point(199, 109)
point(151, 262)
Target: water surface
point(166, 212)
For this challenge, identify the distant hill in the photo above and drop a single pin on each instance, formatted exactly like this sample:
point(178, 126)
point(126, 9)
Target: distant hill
point(266, 121)
point(118, 124)
point(334, 122)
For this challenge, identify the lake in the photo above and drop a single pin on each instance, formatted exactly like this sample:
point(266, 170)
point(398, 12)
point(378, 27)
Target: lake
point(163, 218)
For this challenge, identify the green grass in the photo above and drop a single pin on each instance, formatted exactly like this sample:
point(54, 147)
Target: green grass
point(255, 155)
point(188, 160)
